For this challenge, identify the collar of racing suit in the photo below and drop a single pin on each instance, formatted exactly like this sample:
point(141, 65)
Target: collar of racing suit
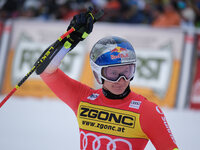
point(110, 95)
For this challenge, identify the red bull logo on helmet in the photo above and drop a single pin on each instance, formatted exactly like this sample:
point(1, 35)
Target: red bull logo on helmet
point(120, 54)
point(118, 49)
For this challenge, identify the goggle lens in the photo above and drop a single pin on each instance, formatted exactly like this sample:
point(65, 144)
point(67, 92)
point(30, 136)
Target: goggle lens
point(114, 73)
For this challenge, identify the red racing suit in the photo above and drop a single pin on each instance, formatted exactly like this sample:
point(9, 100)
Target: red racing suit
point(105, 124)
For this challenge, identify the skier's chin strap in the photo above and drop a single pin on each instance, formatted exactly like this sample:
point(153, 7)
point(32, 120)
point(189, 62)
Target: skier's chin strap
point(110, 95)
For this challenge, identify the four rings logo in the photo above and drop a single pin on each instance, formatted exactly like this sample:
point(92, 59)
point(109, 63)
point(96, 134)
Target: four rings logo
point(97, 143)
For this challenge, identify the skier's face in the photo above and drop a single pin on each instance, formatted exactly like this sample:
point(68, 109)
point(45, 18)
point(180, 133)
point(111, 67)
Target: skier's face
point(116, 87)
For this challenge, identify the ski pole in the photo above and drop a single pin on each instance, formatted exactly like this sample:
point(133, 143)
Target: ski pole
point(45, 55)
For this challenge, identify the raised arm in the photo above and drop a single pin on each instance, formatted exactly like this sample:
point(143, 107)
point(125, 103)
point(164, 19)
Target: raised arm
point(63, 86)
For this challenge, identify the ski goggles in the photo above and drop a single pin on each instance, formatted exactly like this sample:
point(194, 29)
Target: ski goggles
point(115, 73)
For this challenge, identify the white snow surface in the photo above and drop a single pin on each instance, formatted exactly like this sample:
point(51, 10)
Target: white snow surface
point(49, 124)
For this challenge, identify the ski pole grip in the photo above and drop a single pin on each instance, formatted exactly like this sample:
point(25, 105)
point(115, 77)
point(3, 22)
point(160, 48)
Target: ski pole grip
point(98, 15)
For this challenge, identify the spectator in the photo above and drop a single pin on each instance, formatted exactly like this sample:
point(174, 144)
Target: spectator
point(112, 11)
point(168, 18)
point(188, 16)
point(159, 13)
point(65, 12)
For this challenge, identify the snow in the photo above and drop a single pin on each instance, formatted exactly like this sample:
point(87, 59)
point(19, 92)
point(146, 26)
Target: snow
point(49, 124)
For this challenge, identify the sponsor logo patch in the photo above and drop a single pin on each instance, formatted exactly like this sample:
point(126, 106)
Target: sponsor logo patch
point(93, 96)
point(135, 104)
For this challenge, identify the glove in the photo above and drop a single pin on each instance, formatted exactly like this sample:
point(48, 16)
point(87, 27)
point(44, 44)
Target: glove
point(83, 25)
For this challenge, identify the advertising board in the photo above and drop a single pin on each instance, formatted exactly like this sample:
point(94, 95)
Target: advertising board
point(158, 58)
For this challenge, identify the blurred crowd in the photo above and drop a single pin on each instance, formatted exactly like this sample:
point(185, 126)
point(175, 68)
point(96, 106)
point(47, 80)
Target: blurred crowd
point(160, 13)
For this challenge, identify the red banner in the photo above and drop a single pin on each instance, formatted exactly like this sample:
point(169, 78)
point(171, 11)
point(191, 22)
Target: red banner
point(195, 94)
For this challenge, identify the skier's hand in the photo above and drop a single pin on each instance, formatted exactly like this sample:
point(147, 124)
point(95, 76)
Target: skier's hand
point(83, 25)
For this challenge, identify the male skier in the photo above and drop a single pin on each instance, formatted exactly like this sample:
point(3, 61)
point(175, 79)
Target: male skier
point(113, 117)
